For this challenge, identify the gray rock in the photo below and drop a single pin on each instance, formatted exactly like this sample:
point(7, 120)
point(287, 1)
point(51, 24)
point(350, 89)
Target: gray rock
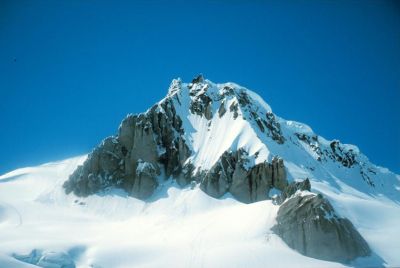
point(221, 109)
point(243, 98)
point(198, 79)
point(145, 181)
point(229, 174)
point(208, 111)
point(217, 180)
point(235, 109)
point(313, 143)
point(273, 127)
point(341, 154)
point(292, 188)
point(309, 224)
point(201, 104)
point(152, 138)
point(186, 175)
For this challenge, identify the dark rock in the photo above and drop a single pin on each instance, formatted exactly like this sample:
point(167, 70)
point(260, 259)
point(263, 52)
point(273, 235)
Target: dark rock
point(149, 138)
point(235, 109)
point(260, 125)
point(313, 143)
point(230, 174)
point(222, 109)
point(341, 154)
point(201, 104)
point(274, 128)
point(145, 181)
point(218, 179)
point(208, 111)
point(309, 224)
point(198, 79)
point(243, 99)
point(293, 187)
point(186, 175)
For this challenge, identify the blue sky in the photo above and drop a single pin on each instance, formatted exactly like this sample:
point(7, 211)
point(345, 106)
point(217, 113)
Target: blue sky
point(71, 70)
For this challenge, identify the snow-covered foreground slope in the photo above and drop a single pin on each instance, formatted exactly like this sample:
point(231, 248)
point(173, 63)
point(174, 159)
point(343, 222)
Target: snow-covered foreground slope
point(176, 228)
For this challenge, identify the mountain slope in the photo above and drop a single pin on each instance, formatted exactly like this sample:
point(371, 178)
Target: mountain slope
point(190, 145)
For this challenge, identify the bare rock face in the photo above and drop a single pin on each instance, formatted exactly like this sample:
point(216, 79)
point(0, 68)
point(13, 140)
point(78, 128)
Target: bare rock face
point(145, 182)
point(291, 189)
point(201, 103)
point(222, 109)
point(309, 224)
point(230, 174)
point(132, 160)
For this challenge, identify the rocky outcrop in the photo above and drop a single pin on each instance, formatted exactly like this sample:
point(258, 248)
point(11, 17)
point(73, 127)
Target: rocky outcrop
point(234, 108)
point(336, 150)
point(274, 128)
point(201, 103)
point(221, 109)
point(132, 160)
point(145, 180)
point(313, 143)
point(308, 223)
point(291, 189)
point(230, 174)
point(341, 154)
point(269, 125)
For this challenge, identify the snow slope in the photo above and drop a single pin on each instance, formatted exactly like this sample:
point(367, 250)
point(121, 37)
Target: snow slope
point(178, 227)
point(185, 227)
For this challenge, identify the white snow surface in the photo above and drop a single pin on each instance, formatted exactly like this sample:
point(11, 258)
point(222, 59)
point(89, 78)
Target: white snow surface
point(176, 228)
point(184, 227)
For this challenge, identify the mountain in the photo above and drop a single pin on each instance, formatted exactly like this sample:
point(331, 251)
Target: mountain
point(209, 176)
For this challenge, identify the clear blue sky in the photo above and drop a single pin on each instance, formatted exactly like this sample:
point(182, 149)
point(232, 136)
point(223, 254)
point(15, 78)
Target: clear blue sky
point(71, 70)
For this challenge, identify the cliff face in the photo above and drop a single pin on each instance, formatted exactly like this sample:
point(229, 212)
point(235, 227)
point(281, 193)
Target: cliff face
point(246, 184)
point(147, 145)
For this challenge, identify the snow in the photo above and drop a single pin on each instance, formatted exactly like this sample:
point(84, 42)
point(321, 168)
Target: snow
point(181, 227)
point(143, 166)
point(177, 227)
point(185, 227)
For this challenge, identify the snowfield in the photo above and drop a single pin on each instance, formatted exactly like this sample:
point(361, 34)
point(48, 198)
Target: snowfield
point(176, 228)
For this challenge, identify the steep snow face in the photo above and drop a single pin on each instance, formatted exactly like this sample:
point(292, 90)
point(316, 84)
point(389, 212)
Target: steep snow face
point(209, 138)
point(225, 117)
point(177, 227)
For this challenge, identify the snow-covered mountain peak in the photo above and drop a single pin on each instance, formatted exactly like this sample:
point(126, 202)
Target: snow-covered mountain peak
point(178, 175)
point(218, 118)
point(217, 91)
